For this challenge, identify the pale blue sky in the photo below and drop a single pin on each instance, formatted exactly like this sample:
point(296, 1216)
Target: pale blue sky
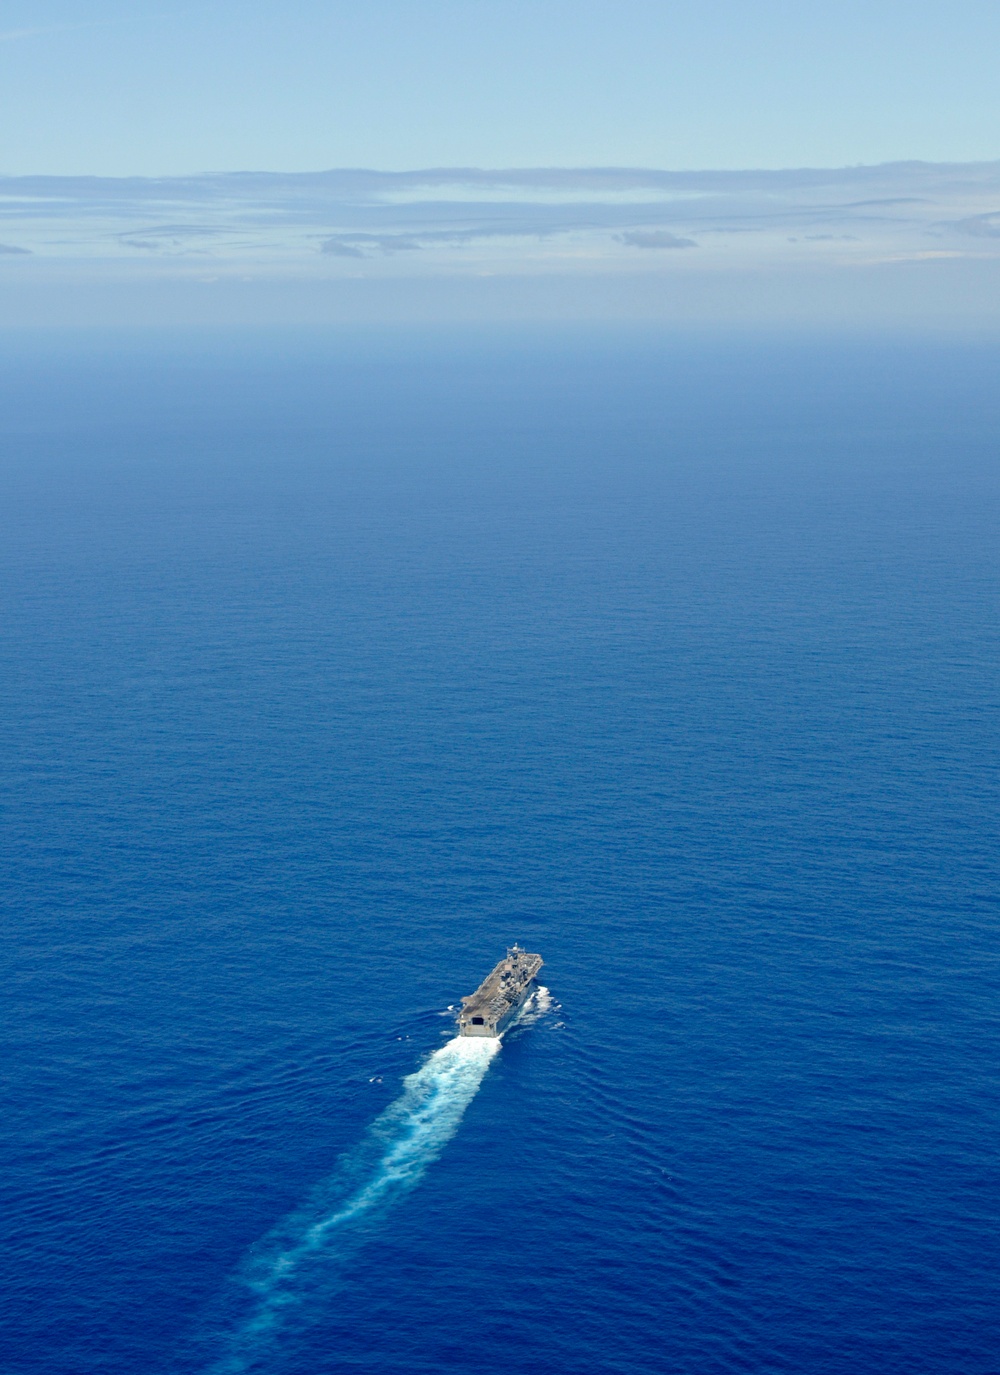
point(116, 88)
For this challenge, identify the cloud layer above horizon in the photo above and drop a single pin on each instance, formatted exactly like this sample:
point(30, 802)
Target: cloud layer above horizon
point(458, 224)
point(517, 220)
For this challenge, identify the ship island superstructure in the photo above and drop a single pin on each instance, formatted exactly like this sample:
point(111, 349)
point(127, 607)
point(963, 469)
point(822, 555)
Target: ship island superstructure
point(501, 995)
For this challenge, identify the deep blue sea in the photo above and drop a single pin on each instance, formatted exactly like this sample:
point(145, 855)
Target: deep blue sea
point(330, 665)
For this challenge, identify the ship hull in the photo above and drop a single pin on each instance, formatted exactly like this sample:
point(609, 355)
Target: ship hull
point(500, 997)
point(498, 1027)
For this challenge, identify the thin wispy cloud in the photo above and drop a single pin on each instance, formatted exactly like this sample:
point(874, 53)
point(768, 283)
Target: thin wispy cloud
point(44, 30)
point(473, 220)
point(981, 226)
point(654, 238)
point(14, 35)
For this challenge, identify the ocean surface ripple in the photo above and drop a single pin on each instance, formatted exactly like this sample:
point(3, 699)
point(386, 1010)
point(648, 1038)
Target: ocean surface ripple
point(331, 665)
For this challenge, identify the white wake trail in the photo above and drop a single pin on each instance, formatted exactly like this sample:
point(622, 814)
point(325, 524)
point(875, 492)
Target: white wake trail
point(398, 1147)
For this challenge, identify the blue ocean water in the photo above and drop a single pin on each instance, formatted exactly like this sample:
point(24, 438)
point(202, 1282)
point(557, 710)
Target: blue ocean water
point(331, 665)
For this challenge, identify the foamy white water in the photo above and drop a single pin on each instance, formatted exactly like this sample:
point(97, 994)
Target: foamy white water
point(399, 1146)
point(536, 1007)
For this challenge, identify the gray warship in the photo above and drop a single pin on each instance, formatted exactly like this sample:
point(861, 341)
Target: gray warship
point(501, 995)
